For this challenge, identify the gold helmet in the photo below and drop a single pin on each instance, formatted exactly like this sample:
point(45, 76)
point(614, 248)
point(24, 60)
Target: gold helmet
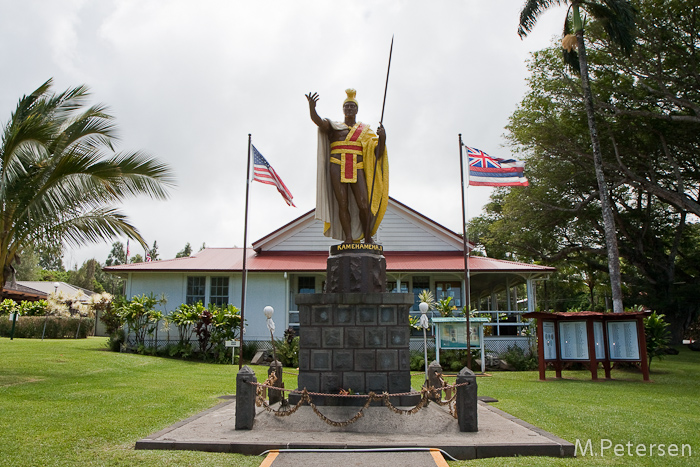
point(351, 96)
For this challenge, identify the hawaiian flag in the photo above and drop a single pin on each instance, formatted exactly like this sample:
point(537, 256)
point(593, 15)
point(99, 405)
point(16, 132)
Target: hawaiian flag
point(485, 170)
point(264, 173)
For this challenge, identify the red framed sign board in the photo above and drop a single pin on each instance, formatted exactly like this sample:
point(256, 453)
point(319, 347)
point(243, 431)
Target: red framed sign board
point(590, 337)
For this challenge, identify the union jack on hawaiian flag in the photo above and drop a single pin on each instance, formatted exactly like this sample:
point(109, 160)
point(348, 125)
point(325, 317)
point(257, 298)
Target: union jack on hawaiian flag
point(485, 170)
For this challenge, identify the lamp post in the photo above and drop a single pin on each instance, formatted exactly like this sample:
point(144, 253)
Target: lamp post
point(269, 311)
point(423, 307)
point(275, 395)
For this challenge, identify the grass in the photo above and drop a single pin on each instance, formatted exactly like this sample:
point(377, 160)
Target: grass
point(70, 402)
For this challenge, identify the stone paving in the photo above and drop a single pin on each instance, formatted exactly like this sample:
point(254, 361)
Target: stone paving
point(500, 434)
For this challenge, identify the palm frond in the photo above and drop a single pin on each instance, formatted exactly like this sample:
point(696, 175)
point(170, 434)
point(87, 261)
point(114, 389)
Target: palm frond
point(60, 177)
point(531, 12)
point(95, 226)
point(618, 18)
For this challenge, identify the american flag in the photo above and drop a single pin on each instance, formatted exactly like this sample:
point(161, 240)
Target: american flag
point(264, 173)
point(485, 170)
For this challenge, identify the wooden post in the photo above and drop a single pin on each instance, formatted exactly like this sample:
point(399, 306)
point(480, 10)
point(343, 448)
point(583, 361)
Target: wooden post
point(606, 362)
point(592, 361)
point(540, 349)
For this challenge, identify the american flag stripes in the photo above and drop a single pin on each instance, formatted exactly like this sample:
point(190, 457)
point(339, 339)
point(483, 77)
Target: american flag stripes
point(264, 173)
point(485, 170)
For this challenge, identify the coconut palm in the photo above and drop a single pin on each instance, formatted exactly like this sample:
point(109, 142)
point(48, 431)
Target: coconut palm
point(60, 177)
point(618, 20)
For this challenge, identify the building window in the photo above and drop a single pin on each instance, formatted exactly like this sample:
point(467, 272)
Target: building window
point(420, 283)
point(391, 287)
point(196, 288)
point(306, 284)
point(449, 289)
point(218, 291)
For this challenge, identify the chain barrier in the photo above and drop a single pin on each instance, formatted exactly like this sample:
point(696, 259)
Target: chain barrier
point(427, 394)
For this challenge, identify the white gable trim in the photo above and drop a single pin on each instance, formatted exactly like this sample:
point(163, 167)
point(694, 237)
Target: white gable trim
point(402, 229)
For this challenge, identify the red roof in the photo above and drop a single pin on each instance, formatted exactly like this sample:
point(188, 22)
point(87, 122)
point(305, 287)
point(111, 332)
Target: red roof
point(231, 259)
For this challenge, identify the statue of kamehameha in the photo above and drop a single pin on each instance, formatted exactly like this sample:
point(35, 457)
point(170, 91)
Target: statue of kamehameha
point(352, 189)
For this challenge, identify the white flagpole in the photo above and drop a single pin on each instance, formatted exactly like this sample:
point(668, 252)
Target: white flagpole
point(245, 255)
point(466, 253)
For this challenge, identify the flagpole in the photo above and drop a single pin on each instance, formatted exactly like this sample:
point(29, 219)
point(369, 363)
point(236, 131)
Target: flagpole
point(467, 279)
point(245, 255)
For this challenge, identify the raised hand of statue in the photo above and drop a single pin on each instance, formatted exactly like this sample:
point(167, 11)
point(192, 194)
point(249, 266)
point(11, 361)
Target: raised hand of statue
point(322, 124)
point(312, 98)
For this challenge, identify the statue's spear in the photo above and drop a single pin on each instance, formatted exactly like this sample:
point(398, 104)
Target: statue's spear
point(381, 120)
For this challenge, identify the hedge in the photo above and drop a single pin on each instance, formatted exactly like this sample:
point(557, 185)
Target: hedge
point(57, 327)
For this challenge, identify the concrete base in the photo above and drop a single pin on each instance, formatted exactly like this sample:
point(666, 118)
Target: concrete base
point(499, 435)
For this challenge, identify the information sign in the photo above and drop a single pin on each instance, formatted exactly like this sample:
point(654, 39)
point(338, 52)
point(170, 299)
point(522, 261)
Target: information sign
point(550, 343)
point(599, 341)
point(623, 341)
point(454, 335)
point(573, 339)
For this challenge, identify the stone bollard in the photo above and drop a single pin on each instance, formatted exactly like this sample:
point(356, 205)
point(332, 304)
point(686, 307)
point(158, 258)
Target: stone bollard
point(434, 372)
point(466, 401)
point(275, 395)
point(245, 398)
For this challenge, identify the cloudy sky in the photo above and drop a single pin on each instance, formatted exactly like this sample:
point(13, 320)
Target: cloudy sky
point(188, 81)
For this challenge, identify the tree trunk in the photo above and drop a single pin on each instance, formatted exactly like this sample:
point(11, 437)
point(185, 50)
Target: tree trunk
point(605, 202)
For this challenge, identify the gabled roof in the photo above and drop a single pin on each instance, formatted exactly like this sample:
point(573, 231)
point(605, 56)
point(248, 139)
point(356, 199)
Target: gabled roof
point(403, 229)
point(36, 290)
point(19, 292)
point(414, 243)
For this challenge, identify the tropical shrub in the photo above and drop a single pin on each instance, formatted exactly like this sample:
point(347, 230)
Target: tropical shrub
point(520, 359)
point(657, 335)
point(37, 308)
point(417, 360)
point(184, 317)
point(288, 349)
point(445, 307)
point(7, 307)
point(140, 316)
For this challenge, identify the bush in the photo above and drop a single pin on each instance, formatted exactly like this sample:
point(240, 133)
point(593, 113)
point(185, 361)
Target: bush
point(417, 361)
point(657, 336)
point(57, 327)
point(455, 360)
point(520, 359)
point(116, 340)
point(7, 307)
point(288, 349)
point(37, 308)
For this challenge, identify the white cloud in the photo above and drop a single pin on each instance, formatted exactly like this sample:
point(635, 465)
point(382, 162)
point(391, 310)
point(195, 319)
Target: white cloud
point(187, 82)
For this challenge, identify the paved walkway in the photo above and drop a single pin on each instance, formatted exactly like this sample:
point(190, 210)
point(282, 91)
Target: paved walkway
point(354, 459)
point(499, 435)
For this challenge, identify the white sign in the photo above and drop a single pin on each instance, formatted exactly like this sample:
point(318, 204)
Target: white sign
point(622, 340)
point(550, 343)
point(573, 340)
point(233, 343)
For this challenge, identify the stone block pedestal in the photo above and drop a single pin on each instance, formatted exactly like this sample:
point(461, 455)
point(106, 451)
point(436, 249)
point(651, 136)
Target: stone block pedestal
point(354, 341)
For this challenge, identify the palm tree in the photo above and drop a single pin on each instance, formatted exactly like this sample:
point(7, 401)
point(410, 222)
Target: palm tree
point(60, 176)
point(618, 19)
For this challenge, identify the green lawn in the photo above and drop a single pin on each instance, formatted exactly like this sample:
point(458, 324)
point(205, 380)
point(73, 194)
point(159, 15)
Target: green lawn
point(70, 402)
